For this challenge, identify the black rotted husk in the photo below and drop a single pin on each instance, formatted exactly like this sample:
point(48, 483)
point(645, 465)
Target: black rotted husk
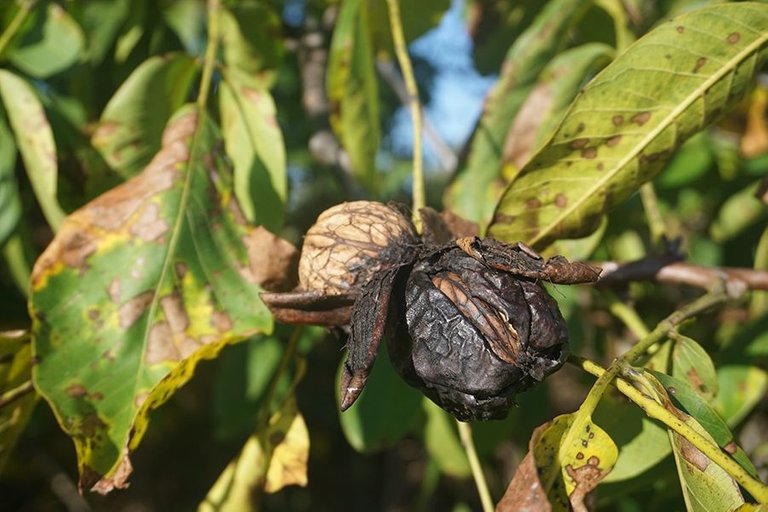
point(471, 336)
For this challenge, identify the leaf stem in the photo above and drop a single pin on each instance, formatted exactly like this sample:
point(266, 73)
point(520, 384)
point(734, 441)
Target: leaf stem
point(629, 317)
point(13, 27)
point(465, 434)
point(656, 411)
point(419, 195)
point(209, 58)
point(288, 354)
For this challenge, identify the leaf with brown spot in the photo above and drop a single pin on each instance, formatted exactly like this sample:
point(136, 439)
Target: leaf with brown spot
point(137, 287)
point(130, 128)
point(653, 104)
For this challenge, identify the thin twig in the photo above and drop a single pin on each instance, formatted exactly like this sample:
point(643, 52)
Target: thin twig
point(658, 412)
point(14, 394)
point(665, 269)
point(209, 59)
point(13, 27)
point(465, 434)
point(396, 26)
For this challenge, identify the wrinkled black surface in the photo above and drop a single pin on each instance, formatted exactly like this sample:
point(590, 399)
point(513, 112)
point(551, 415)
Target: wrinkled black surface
point(441, 352)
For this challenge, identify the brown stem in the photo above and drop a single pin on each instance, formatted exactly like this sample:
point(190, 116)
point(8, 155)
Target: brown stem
point(665, 269)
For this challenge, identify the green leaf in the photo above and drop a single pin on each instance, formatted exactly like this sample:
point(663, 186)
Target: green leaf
point(101, 21)
point(441, 440)
point(353, 91)
point(136, 288)
point(35, 141)
point(10, 202)
point(741, 387)
point(15, 375)
point(630, 118)
point(51, 44)
point(686, 398)
point(129, 131)
point(254, 142)
point(251, 41)
point(692, 364)
point(641, 442)
point(739, 212)
point(691, 161)
point(387, 410)
point(474, 194)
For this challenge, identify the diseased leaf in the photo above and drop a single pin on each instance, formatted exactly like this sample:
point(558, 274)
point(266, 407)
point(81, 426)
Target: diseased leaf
point(474, 194)
point(544, 107)
point(15, 375)
point(270, 460)
point(51, 44)
point(353, 91)
point(10, 202)
point(34, 139)
point(136, 288)
point(630, 118)
point(387, 410)
point(254, 142)
point(442, 442)
point(250, 37)
point(692, 364)
point(687, 399)
point(569, 465)
point(131, 126)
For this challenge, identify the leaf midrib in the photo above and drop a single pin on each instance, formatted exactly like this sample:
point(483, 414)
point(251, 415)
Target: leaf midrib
point(728, 66)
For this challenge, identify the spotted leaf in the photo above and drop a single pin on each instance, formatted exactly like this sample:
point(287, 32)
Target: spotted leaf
point(136, 288)
point(629, 119)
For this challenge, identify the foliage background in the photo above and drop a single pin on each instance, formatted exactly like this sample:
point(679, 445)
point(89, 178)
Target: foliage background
point(76, 56)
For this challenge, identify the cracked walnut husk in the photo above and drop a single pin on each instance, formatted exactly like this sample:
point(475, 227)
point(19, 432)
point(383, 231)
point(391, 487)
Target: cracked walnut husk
point(466, 320)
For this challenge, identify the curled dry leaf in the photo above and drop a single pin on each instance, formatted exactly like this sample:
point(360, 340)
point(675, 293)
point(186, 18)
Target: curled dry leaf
point(137, 287)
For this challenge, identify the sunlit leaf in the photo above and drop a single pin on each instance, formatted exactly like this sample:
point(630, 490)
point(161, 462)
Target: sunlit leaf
point(478, 186)
point(270, 460)
point(15, 375)
point(10, 202)
point(630, 118)
point(51, 44)
point(34, 139)
point(441, 440)
point(386, 411)
point(352, 90)
point(129, 131)
point(254, 142)
point(137, 287)
point(251, 41)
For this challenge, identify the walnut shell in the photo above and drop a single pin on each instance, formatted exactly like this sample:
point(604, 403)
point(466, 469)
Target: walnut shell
point(351, 242)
